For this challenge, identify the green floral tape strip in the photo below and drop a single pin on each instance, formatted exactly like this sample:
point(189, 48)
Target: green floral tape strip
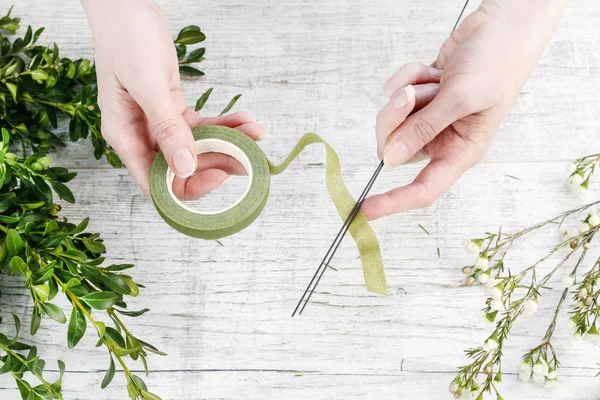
point(226, 222)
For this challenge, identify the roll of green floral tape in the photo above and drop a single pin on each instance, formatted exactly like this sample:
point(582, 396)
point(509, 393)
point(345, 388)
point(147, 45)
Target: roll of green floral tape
point(228, 221)
point(241, 214)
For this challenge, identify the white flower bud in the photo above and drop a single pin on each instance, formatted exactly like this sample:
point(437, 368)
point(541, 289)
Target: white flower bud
point(524, 367)
point(538, 368)
point(575, 182)
point(577, 336)
point(492, 282)
point(551, 384)
point(582, 293)
point(531, 306)
point(471, 247)
point(594, 220)
point(453, 388)
point(482, 263)
point(490, 345)
point(483, 278)
point(524, 376)
point(552, 374)
point(539, 378)
point(568, 281)
point(496, 305)
point(495, 293)
point(583, 228)
point(571, 167)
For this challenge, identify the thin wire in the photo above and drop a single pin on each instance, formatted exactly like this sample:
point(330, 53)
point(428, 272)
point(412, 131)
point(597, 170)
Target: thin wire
point(341, 233)
point(338, 239)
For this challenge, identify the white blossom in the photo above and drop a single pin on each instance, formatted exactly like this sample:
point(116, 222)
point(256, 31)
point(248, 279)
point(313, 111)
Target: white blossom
point(594, 220)
point(552, 374)
point(539, 368)
point(592, 337)
point(471, 247)
point(486, 321)
point(492, 282)
point(551, 384)
point(574, 183)
point(570, 233)
point(538, 378)
point(482, 263)
point(571, 167)
point(524, 376)
point(583, 228)
point(568, 281)
point(577, 336)
point(483, 278)
point(524, 367)
point(496, 305)
point(495, 293)
point(531, 306)
point(490, 345)
point(571, 326)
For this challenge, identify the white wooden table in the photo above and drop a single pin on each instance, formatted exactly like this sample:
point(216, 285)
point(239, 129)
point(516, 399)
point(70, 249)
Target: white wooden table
point(223, 313)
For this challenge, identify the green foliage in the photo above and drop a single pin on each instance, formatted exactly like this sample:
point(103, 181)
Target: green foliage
point(39, 90)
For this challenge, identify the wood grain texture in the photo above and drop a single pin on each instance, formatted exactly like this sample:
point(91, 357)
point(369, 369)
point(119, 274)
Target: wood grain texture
point(222, 313)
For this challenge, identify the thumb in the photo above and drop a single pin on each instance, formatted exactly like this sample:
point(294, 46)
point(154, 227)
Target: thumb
point(170, 130)
point(423, 126)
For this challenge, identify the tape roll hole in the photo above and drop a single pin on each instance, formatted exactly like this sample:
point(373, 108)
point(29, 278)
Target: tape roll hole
point(214, 157)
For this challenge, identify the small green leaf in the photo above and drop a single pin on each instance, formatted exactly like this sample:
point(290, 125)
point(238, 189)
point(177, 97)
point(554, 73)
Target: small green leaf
point(93, 246)
point(14, 242)
point(186, 69)
point(110, 373)
point(12, 89)
point(81, 227)
point(231, 104)
point(203, 99)
point(77, 327)
point(54, 312)
point(132, 313)
point(63, 191)
point(42, 291)
point(36, 319)
point(51, 226)
point(102, 300)
point(196, 55)
point(190, 35)
point(18, 265)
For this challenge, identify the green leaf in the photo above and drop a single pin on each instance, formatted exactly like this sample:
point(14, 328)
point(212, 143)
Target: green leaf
point(42, 291)
point(110, 373)
point(102, 300)
point(52, 241)
point(51, 226)
point(196, 55)
point(132, 313)
point(18, 265)
point(63, 191)
point(14, 242)
point(115, 337)
point(190, 35)
point(54, 312)
point(203, 99)
point(231, 104)
point(181, 50)
point(186, 69)
point(81, 227)
point(77, 327)
point(118, 267)
point(12, 89)
point(36, 319)
point(37, 34)
point(75, 255)
point(93, 246)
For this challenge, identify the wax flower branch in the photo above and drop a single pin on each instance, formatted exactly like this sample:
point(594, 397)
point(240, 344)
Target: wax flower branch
point(39, 90)
point(511, 293)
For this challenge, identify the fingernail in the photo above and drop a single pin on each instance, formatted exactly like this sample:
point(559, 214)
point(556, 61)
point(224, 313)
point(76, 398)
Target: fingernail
point(395, 155)
point(403, 97)
point(436, 73)
point(184, 163)
point(224, 181)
